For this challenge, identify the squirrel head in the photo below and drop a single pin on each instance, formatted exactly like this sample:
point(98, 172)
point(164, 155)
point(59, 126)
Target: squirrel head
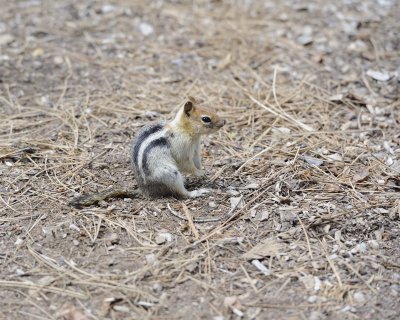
point(198, 120)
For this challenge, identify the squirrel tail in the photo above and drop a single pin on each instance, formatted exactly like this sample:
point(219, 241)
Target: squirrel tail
point(91, 199)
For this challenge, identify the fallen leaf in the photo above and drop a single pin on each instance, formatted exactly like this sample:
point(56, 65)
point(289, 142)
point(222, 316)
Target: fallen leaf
point(361, 175)
point(267, 248)
point(335, 157)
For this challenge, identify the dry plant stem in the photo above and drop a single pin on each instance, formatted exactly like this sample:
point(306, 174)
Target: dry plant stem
point(253, 158)
point(359, 276)
point(331, 264)
point(29, 285)
point(272, 110)
point(177, 215)
point(190, 221)
point(67, 116)
point(306, 235)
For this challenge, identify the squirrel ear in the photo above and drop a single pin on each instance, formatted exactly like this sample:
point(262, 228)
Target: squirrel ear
point(190, 98)
point(188, 107)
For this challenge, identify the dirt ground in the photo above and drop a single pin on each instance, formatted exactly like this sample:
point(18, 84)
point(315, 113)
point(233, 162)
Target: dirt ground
point(305, 175)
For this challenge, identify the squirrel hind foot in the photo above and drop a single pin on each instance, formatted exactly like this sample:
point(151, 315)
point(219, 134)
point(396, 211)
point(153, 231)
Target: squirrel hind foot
point(198, 193)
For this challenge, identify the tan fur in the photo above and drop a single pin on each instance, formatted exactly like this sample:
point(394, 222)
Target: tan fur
point(193, 125)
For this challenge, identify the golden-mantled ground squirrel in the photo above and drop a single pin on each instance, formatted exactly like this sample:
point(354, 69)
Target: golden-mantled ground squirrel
point(162, 152)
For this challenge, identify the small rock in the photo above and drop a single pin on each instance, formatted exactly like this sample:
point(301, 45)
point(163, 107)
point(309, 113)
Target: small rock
point(359, 297)
point(111, 239)
point(312, 299)
point(107, 8)
point(38, 52)
point(315, 315)
point(191, 267)
point(123, 309)
point(262, 216)
point(287, 216)
point(212, 204)
point(236, 202)
point(305, 39)
point(373, 244)
point(313, 161)
point(157, 288)
point(146, 29)
point(160, 239)
point(18, 242)
point(163, 237)
point(335, 157)
point(363, 248)
point(19, 272)
point(6, 39)
point(75, 242)
point(74, 227)
point(280, 130)
point(151, 258)
point(151, 114)
point(58, 60)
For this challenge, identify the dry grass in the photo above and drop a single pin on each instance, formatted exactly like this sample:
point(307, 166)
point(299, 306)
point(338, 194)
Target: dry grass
point(311, 147)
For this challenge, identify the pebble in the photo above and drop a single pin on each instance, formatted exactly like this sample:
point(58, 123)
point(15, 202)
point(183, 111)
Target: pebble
point(315, 315)
point(123, 309)
point(359, 297)
point(157, 287)
point(160, 239)
point(163, 237)
point(74, 227)
point(151, 258)
point(146, 29)
point(378, 75)
point(6, 39)
point(236, 202)
point(212, 204)
point(191, 267)
point(58, 60)
point(373, 244)
point(107, 8)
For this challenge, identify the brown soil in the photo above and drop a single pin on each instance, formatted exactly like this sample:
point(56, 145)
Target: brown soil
point(310, 92)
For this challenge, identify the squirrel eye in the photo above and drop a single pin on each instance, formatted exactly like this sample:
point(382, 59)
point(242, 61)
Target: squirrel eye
point(206, 119)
